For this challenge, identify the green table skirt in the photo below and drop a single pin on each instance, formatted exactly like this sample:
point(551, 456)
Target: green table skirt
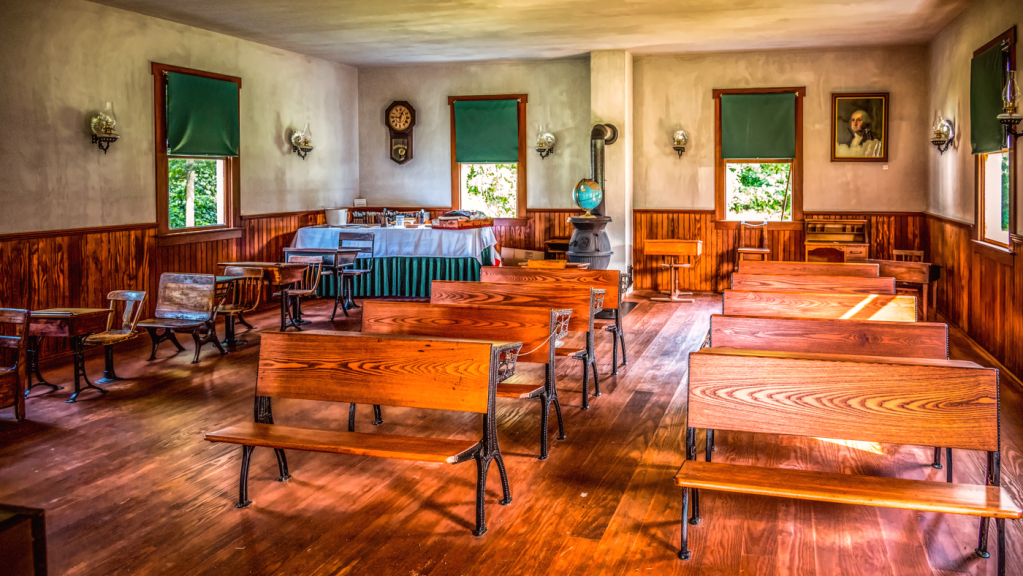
point(407, 277)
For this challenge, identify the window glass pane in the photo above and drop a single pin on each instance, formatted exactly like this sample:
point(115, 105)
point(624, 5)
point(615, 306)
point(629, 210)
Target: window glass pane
point(996, 197)
point(196, 188)
point(490, 188)
point(756, 192)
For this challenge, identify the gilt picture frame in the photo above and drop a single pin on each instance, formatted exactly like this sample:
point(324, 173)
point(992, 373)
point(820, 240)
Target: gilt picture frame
point(859, 127)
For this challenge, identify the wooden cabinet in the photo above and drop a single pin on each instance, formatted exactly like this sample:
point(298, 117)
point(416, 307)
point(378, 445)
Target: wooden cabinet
point(846, 240)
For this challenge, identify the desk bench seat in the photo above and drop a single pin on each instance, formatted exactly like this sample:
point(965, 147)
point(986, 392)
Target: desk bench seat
point(356, 443)
point(924, 495)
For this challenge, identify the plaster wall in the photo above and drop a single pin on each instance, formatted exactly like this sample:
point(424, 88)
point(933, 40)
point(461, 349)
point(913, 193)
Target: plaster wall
point(952, 174)
point(559, 99)
point(678, 89)
point(62, 59)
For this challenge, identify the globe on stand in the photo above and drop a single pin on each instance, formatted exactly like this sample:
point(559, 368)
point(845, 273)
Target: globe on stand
point(587, 195)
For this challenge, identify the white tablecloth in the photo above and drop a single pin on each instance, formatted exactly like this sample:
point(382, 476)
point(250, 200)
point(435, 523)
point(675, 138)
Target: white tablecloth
point(407, 242)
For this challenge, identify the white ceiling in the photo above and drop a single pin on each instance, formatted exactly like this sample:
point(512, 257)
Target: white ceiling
point(375, 32)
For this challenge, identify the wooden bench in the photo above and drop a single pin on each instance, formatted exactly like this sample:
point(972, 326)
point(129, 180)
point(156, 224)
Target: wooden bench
point(583, 302)
point(819, 284)
point(860, 398)
point(855, 337)
point(431, 373)
point(539, 330)
point(827, 306)
point(612, 282)
point(184, 303)
point(14, 379)
point(859, 270)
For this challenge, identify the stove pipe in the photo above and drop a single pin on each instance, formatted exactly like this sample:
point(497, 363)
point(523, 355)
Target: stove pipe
point(601, 135)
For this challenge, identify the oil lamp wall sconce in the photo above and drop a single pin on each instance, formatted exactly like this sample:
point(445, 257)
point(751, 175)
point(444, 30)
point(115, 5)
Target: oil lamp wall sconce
point(1010, 116)
point(944, 134)
point(544, 143)
point(302, 142)
point(679, 140)
point(102, 125)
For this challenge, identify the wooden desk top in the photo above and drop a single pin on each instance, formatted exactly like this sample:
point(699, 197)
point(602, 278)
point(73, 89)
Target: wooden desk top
point(277, 273)
point(673, 247)
point(67, 322)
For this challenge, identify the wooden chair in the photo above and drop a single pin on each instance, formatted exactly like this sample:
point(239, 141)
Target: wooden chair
point(908, 255)
point(861, 270)
point(539, 330)
point(612, 282)
point(869, 399)
point(346, 280)
point(307, 287)
point(831, 306)
point(816, 284)
point(184, 303)
point(246, 294)
point(133, 301)
point(584, 304)
point(375, 369)
point(674, 249)
point(23, 540)
point(744, 252)
point(14, 379)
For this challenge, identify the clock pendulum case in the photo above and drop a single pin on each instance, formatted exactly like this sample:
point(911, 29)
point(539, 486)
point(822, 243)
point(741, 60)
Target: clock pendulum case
point(401, 119)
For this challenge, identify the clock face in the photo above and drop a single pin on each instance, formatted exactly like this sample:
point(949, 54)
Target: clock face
point(399, 118)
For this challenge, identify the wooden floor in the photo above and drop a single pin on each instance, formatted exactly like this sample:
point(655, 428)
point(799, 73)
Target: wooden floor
point(130, 487)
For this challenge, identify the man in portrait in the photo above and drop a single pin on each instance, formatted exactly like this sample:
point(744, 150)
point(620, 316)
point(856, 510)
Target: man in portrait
point(863, 142)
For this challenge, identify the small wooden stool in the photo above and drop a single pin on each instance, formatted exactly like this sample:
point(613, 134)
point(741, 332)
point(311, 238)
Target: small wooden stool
point(674, 249)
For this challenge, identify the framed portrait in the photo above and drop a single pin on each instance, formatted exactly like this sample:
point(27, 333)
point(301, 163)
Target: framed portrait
point(859, 127)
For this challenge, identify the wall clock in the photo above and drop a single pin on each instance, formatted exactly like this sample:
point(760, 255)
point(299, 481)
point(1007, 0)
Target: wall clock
point(401, 120)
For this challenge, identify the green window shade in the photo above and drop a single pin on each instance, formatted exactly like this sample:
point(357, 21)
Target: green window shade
point(486, 131)
point(986, 100)
point(758, 126)
point(202, 116)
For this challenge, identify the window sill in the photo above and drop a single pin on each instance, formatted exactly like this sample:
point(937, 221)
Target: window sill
point(734, 225)
point(192, 236)
point(999, 254)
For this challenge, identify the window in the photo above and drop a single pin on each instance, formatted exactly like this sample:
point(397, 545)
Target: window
point(197, 155)
point(994, 189)
point(759, 164)
point(995, 163)
point(488, 154)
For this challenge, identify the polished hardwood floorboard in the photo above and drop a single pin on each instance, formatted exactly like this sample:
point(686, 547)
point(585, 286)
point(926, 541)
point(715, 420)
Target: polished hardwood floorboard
point(130, 487)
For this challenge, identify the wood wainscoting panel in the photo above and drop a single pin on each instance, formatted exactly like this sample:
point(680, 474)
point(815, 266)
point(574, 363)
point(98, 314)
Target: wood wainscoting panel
point(888, 231)
point(77, 268)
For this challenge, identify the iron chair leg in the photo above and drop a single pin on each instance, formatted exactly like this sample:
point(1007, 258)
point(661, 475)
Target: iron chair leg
point(561, 422)
point(586, 384)
point(1000, 528)
point(981, 549)
point(378, 417)
point(241, 319)
point(948, 461)
point(351, 417)
point(614, 353)
point(337, 295)
point(545, 418)
point(481, 491)
point(282, 463)
point(108, 366)
point(504, 481)
point(683, 551)
point(243, 483)
point(596, 383)
point(937, 458)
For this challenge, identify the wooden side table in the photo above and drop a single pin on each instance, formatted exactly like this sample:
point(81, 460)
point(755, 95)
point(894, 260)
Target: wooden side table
point(72, 323)
point(674, 249)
